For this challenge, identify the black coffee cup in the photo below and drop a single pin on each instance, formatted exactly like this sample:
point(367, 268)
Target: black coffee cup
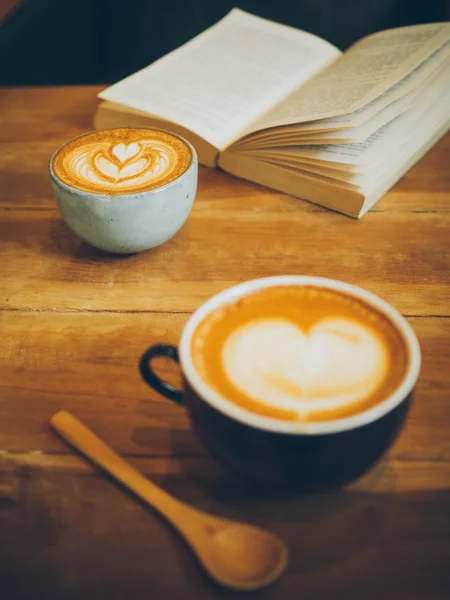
point(274, 452)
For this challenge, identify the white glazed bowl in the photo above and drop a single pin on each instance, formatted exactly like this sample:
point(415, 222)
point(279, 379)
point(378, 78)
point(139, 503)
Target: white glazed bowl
point(128, 223)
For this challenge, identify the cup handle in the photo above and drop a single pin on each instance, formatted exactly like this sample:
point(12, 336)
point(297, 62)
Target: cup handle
point(150, 377)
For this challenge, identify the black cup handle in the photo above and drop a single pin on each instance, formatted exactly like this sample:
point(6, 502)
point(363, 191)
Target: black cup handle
point(150, 377)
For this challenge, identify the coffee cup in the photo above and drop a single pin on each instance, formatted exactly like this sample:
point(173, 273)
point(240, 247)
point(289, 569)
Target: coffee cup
point(125, 190)
point(293, 380)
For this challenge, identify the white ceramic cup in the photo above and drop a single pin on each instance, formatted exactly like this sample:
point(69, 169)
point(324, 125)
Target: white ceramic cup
point(129, 222)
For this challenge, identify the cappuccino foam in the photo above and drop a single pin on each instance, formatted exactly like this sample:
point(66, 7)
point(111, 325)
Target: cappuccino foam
point(121, 161)
point(300, 353)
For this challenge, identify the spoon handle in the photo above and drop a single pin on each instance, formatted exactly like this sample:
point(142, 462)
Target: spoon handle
point(82, 438)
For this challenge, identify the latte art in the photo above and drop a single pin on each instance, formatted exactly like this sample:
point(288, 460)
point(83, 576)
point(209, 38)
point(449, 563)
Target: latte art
point(300, 353)
point(121, 161)
point(337, 362)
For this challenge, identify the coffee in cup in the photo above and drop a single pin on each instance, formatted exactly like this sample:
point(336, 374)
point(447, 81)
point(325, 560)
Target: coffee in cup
point(122, 161)
point(300, 353)
point(125, 190)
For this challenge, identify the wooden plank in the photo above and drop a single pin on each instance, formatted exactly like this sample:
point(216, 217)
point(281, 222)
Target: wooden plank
point(410, 475)
point(25, 185)
point(46, 114)
point(399, 258)
point(87, 364)
point(71, 533)
point(35, 122)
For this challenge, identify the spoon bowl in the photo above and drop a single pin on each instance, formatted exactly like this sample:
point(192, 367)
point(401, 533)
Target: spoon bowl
point(242, 556)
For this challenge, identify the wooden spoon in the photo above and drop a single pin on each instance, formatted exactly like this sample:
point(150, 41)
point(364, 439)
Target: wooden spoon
point(236, 555)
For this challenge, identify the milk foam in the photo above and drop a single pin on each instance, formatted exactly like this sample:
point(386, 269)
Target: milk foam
point(121, 166)
point(121, 161)
point(336, 363)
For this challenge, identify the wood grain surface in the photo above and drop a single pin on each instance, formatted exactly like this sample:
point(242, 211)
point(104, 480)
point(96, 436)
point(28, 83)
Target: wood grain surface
point(74, 322)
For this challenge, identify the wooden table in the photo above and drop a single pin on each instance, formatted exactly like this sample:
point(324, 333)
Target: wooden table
point(75, 320)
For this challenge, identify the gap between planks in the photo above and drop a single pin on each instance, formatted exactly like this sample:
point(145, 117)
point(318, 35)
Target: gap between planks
point(33, 456)
point(317, 209)
point(28, 309)
point(147, 311)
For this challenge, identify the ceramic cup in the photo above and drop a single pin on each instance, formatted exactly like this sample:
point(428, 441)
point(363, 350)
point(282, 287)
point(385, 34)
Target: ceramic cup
point(312, 456)
point(131, 222)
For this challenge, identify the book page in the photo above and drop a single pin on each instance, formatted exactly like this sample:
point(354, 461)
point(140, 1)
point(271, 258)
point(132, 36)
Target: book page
point(292, 158)
point(366, 71)
point(408, 85)
point(375, 172)
point(380, 143)
point(430, 89)
point(352, 154)
point(336, 174)
point(340, 136)
point(227, 76)
point(424, 93)
point(304, 159)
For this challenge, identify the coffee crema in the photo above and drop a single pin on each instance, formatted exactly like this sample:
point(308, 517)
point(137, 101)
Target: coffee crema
point(121, 161)
point(300, 353)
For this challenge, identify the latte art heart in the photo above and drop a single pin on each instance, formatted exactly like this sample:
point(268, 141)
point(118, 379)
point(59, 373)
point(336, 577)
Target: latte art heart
point(124, 152)
point(122, 161)
point(335, 363)
point(105, 169)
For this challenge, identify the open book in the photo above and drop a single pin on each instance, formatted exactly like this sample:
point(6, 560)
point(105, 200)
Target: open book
point(286, 109)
